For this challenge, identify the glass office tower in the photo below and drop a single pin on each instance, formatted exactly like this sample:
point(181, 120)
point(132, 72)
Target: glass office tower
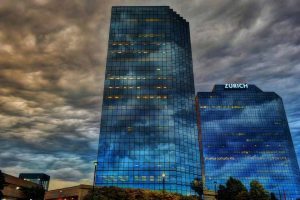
point(148, 135)
point(245, 134)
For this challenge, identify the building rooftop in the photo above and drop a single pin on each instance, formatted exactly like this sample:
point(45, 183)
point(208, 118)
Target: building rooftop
point(34, 176)
point(235, 87)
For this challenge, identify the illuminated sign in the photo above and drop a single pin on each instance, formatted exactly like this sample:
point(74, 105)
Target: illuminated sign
point(236, 85)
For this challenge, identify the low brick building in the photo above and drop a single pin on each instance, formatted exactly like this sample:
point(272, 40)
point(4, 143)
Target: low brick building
point(70, 193)
point(12, 189)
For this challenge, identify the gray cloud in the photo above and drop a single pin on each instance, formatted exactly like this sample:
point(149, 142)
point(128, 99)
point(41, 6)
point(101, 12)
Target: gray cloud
point(52, 62)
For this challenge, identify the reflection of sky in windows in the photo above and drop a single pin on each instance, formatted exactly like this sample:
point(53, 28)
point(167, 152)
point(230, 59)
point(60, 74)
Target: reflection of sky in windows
point(148, 124)
point(246, 135)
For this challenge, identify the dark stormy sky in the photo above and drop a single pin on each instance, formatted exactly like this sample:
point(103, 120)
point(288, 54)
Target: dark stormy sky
point(52, 62)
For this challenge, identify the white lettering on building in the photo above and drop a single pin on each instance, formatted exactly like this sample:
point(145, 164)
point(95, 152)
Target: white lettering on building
point(236, 85)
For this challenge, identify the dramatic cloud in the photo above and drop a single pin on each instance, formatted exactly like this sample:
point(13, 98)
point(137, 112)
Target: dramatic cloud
point(52, 62)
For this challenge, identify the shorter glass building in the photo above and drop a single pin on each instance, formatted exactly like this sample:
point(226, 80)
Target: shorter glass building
point(38, 178)
point(245, 134)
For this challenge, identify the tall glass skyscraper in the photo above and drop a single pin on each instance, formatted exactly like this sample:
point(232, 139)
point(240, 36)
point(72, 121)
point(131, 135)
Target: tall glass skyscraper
point(148, 135)
point(245, 134)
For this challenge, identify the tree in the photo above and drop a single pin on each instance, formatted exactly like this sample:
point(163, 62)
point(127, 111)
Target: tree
point(113, 193)
point(234, 189)
point(273, 197)
point(2, 184)
point(222, 193)
point(36, 193)
point(244, 195)
point(197, 186)
point(257, 191)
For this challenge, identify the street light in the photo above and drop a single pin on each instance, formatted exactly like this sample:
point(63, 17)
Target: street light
point(95, 169)
point(164, 180)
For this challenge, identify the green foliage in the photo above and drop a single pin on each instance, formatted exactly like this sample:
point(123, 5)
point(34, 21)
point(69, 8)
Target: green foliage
point(36, 193)
point(115, 193)
point(2, 180)
point(2, 183)
point(257, 191)
point(234, 189)
point(273, 197)
point(244, 195)
point(197, 186)
point(222, 193)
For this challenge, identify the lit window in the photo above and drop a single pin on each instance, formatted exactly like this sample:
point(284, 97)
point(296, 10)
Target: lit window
point(144, 178)
point(151, 178)
point(152, 20)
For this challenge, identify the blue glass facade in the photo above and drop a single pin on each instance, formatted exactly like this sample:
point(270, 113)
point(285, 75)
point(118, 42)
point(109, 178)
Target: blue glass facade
point(245, 135)
point(148, 123)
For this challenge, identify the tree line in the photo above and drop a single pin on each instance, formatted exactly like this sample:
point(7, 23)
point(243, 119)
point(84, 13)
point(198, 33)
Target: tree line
point(234, 189)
